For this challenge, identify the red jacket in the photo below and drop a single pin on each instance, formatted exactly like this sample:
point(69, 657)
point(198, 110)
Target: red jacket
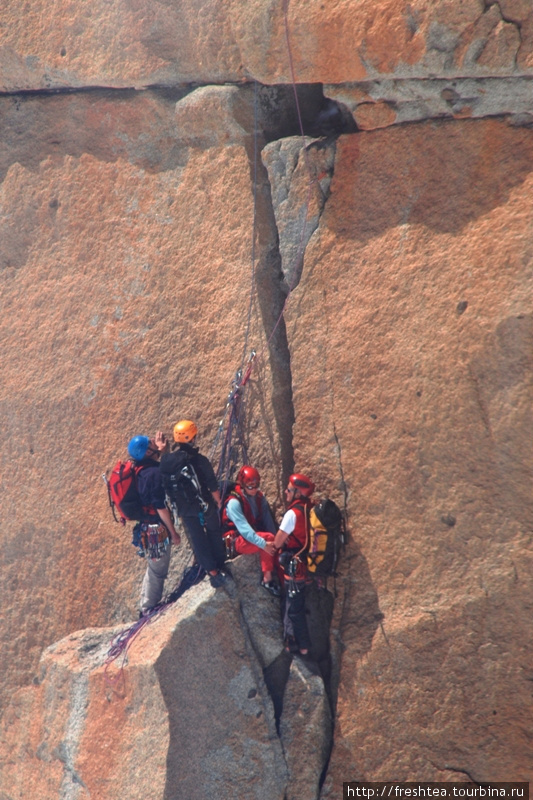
point(257, 523)
point(298, 540)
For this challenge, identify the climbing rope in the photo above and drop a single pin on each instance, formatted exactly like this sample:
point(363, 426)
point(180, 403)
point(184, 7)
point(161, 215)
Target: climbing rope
point(120, 645)
point(230, 434)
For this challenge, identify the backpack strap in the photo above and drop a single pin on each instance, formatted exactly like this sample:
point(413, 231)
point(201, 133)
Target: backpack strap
point(295, 552)
point(228, 527)
point(148, 510)
point(305, 508)
point(110, 500)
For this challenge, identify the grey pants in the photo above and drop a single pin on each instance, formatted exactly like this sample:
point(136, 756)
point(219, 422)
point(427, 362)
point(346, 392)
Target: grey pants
point(154, 580)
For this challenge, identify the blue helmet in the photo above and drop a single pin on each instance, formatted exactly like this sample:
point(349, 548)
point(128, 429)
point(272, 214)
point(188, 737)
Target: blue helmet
point(138, 446)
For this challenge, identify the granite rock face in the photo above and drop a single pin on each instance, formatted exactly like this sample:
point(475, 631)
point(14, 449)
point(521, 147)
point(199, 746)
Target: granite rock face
point(139, 44)
point(105, 278)
point(169, 202)
point(435, 400)
point(184, 712)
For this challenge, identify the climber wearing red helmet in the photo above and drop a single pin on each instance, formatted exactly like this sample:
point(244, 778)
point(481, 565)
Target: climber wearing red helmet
point(248, 524)
point(292, 539)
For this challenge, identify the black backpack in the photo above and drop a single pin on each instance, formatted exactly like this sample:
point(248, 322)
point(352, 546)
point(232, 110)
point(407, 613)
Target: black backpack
point(180, 481)
point(326, 537)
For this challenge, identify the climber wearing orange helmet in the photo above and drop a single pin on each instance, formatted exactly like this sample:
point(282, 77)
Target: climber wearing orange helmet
point(192, 488)
point(292, 539)
point(248, 524)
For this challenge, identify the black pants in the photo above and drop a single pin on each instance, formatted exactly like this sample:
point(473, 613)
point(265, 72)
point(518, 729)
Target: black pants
point(294, 618)
point(205, 536)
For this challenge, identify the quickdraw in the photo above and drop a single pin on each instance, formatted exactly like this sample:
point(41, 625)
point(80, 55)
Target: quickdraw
point(233, 448)
point(229, 542)
point(152, 540)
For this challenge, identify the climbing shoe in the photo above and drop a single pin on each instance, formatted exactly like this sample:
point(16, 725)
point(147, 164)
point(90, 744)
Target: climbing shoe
point(217, 580)
point(271, 587)
point(290, 645)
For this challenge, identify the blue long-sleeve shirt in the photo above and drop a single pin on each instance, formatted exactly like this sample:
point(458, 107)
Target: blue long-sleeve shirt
point(236, 515)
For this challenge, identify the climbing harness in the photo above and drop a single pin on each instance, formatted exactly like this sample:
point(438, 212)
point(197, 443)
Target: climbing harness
point(180, 481)
point(151, 539)
point(291, 560)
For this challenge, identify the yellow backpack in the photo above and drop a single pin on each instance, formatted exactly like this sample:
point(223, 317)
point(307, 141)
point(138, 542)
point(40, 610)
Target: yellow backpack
point(326, 537)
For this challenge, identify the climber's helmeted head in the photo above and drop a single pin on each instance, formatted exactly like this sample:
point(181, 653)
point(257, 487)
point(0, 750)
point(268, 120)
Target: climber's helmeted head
point(248, 478)
point(185, 431)
point(299, 486)
point(141, 446)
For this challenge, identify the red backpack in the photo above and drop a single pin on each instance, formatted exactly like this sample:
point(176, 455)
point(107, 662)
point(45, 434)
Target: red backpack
point(123, 493)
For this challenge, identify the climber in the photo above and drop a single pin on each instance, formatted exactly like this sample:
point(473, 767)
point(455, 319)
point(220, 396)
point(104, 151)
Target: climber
point(156, 523)
point(248, 524)
point(292, 539)
point(192, 489)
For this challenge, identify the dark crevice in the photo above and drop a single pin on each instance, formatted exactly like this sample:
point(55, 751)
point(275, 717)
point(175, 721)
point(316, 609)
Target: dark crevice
point(505, 17)
point(269, 113)
point(342, 479)
point(320, 115)
point(449, 768)
point(271, 299)
point(276, 676)
point(174, 93)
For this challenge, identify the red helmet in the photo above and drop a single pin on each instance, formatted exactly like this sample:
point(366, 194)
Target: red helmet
point(248, 477)
point(301, 482)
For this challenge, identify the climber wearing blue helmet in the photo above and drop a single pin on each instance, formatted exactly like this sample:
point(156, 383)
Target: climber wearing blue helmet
point(138, 447)
point(157, 529)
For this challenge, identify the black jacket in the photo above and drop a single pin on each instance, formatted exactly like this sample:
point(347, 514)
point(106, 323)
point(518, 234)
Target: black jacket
point(204, 471)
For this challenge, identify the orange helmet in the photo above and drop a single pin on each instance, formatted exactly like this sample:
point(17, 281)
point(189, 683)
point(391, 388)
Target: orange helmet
point(301, 482)
point(248, 477)
point(185, 431)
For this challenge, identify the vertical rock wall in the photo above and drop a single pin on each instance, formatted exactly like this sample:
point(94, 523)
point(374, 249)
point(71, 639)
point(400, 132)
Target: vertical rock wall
point(126, 296)
point(422, 341)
